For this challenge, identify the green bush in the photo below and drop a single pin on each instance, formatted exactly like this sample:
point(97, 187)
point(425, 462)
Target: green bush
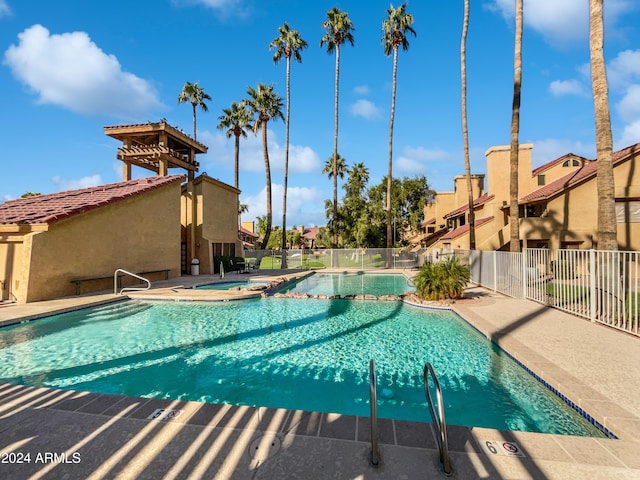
point(438, 281)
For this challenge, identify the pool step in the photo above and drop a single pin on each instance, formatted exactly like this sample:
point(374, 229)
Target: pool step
point(114, 311)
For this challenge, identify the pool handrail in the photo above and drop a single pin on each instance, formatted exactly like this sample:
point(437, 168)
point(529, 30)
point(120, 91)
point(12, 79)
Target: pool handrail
point(115, 282)
point(439, 422)
point(373, 400)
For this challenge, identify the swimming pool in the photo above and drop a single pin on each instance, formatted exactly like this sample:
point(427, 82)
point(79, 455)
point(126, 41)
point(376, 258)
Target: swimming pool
point(309, 355)
point(353, 284)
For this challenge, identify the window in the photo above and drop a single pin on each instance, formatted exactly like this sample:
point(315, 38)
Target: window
point(541, 180)
point(628, 212)
point(571, 163)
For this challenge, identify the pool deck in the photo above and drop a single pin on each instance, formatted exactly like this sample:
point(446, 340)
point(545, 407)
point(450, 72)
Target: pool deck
point(112, 436)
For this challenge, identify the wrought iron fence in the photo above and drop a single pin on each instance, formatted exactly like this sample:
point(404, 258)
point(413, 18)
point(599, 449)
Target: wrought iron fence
point(344, 258)
point(602, 286)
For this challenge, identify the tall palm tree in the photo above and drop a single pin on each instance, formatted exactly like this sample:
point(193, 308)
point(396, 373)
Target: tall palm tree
point(267, 105)
point(195, 95)
point(607, 227)
point(236, 121)
point(465, 131)
point(514, 229)
point(288, 44)
point(339, 30)
point(395, 28)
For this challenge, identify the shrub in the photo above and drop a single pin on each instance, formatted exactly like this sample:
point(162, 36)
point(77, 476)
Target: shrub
point(438, 281)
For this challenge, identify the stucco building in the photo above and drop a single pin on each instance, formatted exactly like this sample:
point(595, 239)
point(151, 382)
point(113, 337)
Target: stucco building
point(557, 203)
point(72, 242)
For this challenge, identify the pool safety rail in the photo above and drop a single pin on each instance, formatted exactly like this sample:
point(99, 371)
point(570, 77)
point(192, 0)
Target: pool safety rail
point(128, 289)
point(373, 400)
point(439, 423)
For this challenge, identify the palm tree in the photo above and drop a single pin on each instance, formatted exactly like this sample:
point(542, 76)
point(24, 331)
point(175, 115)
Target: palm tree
point(465, 131)
point(236, 120)
point(288, 44)
point(195, 95)
point(514, 243)
point(395, 28)
point(338, 167)
point(607, 227)
point(338, 28)
point(267, 105)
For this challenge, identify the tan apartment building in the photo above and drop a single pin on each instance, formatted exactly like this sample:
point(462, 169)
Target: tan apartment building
point(558, 203)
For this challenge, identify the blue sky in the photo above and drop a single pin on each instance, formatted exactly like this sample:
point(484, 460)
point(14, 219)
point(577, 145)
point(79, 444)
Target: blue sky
point(71, 67)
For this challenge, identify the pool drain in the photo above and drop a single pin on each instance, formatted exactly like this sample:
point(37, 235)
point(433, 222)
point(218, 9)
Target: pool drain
point(264, 447)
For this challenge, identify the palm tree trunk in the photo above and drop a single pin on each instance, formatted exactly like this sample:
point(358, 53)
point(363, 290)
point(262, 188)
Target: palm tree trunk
point(286, 169)
point(390, 239)
point(607, 226)
point(194, 120)
point(265, 152)
point(465, 131)
point(235, 176)
point(514, 244)
point(335, 154)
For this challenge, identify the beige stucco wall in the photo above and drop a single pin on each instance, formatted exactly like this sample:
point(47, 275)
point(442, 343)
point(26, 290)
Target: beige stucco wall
point(498, 171)
point(216, 218)
point(138, 234)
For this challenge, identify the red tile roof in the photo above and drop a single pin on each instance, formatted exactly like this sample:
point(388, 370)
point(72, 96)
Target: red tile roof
point(311, 233)
point(576, 176)
point(465, 228)
point(429, 222)
point(558, 160)
point(249, 233)
point(476, 203)
point(50, 208)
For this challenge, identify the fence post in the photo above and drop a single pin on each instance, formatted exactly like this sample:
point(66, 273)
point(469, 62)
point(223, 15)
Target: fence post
point(495, 272)
point(592, 285)
point(524, 272)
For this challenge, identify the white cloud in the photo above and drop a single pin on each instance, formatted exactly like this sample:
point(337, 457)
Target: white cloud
point(414, 160)
point(302, 159)
point(366, 109)
point(624, 69)
point(560, 22)
point(567, 87)
point(7, 197)
point(305, 206)
point(630, 134)
point(73, 184)
point(71, 71)
point(5, 10)
point(362, 90)
point(629, 107)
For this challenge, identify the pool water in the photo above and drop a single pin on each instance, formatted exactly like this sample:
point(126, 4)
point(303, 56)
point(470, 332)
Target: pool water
point(353, 284)
point(309, 355)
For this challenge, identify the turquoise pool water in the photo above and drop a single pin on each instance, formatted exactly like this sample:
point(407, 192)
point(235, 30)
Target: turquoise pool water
point(310, 355)
point(353, 284)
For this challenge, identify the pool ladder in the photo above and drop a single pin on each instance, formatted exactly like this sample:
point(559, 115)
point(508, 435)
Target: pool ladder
point(127, 289)
point(439, 423)
point(374, 457)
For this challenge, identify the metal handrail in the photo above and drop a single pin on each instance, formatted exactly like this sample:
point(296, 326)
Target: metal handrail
point(115, 282)
point(375, 453)
point(439, 422)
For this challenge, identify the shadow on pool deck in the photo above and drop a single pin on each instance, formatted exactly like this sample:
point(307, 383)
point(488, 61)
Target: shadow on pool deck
point(110, 436)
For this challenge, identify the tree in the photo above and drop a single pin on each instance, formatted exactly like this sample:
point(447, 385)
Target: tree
point(288, 44)
point(236, 121)
point(195, 95)
point(607, 226)
point(339, 29)
point(514, 230)
point(395, 28)
point(465, 131)
point(338, 167)
point(267, 105)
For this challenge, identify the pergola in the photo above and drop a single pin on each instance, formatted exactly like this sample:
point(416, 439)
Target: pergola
point(155, 146)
